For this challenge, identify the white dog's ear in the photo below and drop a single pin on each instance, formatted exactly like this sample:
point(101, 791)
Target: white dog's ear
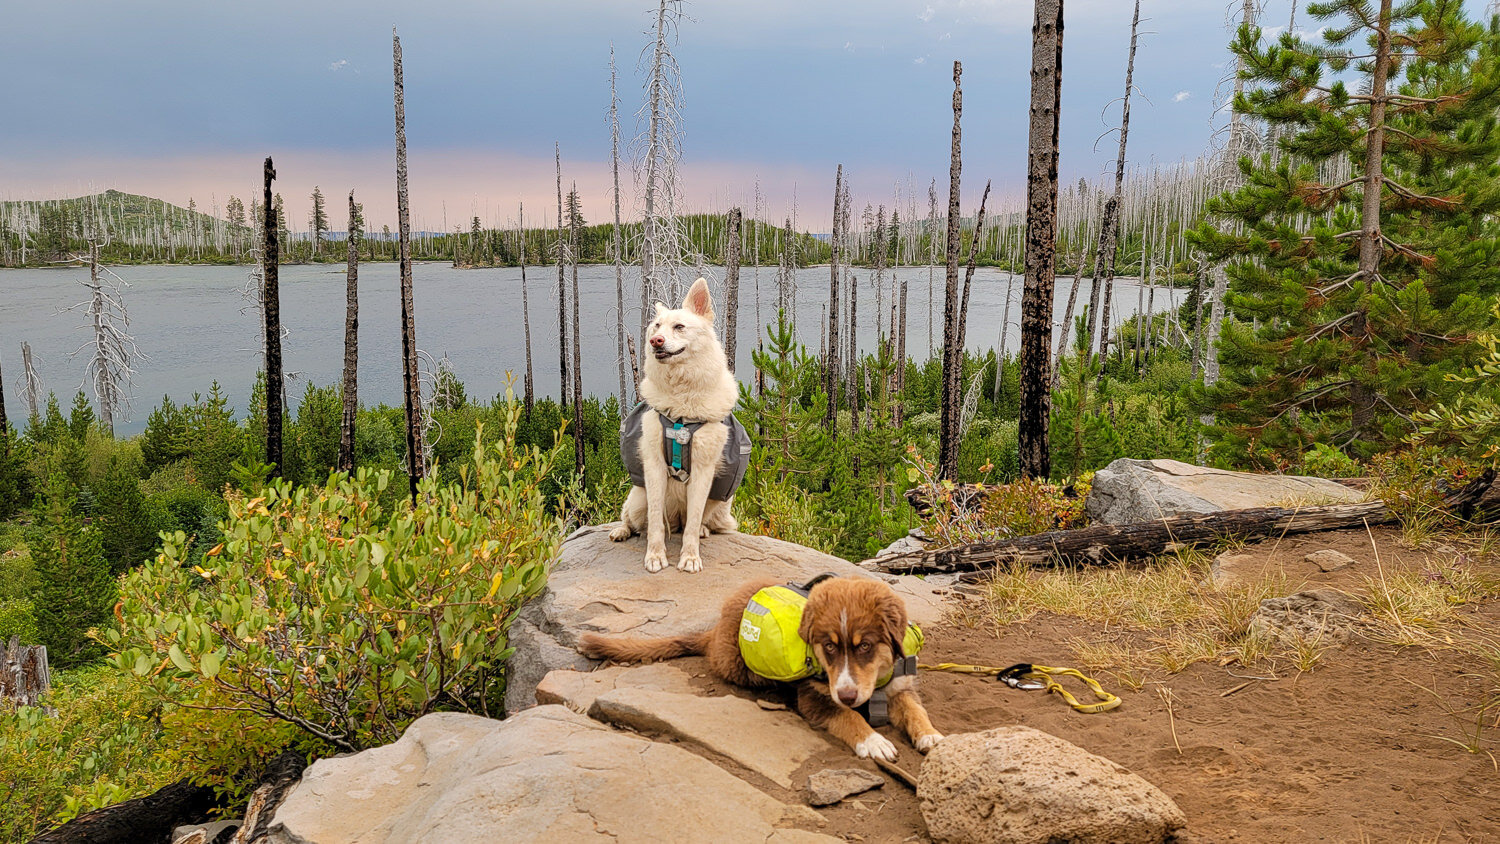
point(660, 309)
point(698, 300)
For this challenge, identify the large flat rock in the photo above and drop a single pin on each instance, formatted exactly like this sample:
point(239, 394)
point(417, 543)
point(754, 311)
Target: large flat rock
point(547, 774)
point(602, 586)
point(1131, 491)
point(773, 744)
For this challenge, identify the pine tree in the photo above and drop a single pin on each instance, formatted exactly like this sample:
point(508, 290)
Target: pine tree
point(318, 220)
point(75, 589)
point(234, 211)
point(126, 530)
point(1362, 289)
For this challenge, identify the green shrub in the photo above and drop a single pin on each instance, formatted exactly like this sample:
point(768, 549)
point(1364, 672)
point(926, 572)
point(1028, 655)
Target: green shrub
point(17, 618)
point(324, 611)
point(102, 745)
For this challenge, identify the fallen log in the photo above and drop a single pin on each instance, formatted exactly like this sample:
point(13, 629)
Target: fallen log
point(1099, 544)
point(144, 819)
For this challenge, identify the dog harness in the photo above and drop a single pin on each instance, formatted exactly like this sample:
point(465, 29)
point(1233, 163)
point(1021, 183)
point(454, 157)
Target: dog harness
point(772, 648)
point(677, 434)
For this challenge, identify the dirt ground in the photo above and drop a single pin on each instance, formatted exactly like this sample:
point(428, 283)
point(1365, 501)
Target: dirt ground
point(1347, 752)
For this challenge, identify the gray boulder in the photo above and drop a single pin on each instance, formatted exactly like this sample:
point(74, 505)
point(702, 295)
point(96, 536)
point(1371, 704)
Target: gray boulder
point(547, 774)
point(1131, 491)
point(1016, 785)
point(599, 585)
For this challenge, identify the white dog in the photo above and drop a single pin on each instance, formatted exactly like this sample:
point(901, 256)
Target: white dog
point(686, 451)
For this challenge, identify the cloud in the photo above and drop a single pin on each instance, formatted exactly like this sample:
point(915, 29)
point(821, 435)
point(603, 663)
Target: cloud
point(919, 60)
point(849, 45)
point(338, 65)
point(1181, 95)
point(927, 14)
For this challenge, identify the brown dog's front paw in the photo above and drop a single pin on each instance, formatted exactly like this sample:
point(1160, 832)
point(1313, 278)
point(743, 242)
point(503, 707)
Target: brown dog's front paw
point(928, 742)
point(876, 745)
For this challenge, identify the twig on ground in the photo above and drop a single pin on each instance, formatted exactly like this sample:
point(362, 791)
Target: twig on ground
point(890, 768)
point(1166, 695)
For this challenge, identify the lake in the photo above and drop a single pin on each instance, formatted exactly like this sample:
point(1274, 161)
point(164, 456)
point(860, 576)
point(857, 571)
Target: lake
point(194, 326)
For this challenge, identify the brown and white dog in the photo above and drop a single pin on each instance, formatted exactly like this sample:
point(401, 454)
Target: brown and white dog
point(686, 377)
point(854, 625)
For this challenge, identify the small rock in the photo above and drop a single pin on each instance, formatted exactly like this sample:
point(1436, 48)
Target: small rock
point(1016, 785)
point(1317, 615)
point(1329, 560)
point(828, 787)
point(1236, 570)
point(770, 705)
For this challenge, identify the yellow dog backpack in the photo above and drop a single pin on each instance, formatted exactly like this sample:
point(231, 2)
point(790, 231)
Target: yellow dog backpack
point(772, 649)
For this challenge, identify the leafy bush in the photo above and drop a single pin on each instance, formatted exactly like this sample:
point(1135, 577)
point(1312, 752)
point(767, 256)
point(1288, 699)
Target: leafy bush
point(326, 612)
point(1325, 461)
point(17, 618)
point(103, 744)
point(1029, 506)
point(1470, 425)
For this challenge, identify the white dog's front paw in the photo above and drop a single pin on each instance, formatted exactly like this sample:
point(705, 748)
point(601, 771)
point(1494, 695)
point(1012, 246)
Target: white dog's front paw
point(621, 533)
point(656, 559)
point(928, 742)
point(876, 745)
point(690, 562)
point(703, 532)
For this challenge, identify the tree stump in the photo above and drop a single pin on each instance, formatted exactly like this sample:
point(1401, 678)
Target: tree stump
point(24, 677)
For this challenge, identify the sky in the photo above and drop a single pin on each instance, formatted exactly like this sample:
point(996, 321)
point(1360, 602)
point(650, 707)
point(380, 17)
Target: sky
point(185, 98)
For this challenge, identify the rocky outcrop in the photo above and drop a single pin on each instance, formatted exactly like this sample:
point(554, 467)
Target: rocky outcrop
point(547, 774)
point(1016, 785)
point(602, 586)
point(1133, 491)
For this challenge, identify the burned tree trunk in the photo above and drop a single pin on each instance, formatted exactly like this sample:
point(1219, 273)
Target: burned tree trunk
point(963, 307)
point(149, 818)
point(953, 355)
point(31, 383)
point(526, 400)
point(617, 239)
point(1041, 248)
point(732, 288)
point(351, 340)
point(416, 461)
point(271, 308)
point(562, 291)
point(577, 386)
point(1067, 320)
point(4, 423)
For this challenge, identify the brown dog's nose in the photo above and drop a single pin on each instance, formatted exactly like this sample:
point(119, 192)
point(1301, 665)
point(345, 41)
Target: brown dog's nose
point(658, 341)
point(848, 696)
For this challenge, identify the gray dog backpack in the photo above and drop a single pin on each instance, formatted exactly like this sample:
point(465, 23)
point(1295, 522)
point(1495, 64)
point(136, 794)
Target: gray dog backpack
point(676, 435)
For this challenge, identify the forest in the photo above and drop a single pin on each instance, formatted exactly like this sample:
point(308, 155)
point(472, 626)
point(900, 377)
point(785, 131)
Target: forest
point(310, 572)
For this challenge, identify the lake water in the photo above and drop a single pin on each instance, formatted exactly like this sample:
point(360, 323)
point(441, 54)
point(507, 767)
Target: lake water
point(194, 326)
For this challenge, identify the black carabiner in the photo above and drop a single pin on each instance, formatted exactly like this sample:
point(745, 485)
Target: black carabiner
point(1015, 675)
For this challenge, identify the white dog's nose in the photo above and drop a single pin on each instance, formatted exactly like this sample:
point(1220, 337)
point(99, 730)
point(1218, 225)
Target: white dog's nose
point(657, 341)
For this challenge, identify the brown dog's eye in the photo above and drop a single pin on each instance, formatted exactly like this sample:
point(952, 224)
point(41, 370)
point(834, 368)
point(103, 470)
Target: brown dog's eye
point(830, 647)
point(864, 647)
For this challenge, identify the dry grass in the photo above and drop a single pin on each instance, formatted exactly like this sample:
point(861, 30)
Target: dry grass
point(1164, 616)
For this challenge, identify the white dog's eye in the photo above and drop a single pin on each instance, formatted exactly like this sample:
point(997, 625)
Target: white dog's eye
point(677, 327)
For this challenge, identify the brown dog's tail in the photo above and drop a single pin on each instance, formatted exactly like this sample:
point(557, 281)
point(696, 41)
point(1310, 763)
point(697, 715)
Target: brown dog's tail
point(637, 649)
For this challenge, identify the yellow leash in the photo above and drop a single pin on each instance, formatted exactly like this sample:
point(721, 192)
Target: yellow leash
point(1026, 676)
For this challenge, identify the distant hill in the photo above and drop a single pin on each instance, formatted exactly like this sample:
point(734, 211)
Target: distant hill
point(120, 211)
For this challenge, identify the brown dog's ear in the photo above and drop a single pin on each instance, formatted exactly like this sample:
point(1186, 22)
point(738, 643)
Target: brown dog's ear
point(893, 618)
point(698, 300)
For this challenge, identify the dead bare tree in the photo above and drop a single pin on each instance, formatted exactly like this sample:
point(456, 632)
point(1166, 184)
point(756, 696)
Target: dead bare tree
point(732, 287)
point(351, 338)
point(832, 350)
point(658, 149)
point(4, 422)
point(31, 383)
point(416, 452)
point(953, 359)
point(617, 239)
point(974, 247)
point(562, 290)
point(111, 349)
point(1109, 230)
point(525, 316)
point(271, 309)
point(1041, 247)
